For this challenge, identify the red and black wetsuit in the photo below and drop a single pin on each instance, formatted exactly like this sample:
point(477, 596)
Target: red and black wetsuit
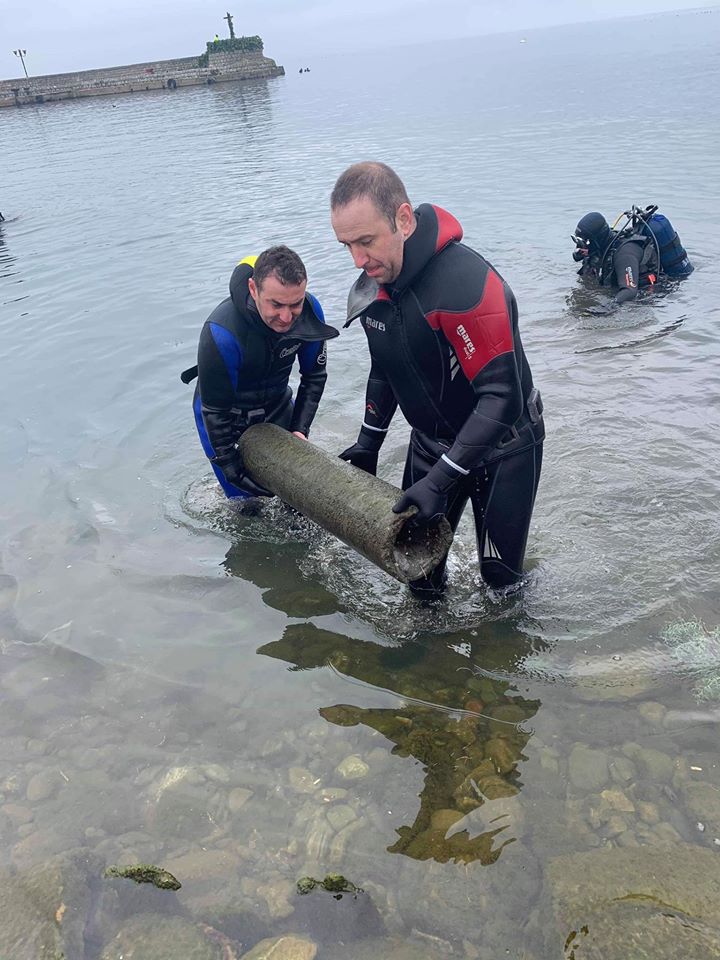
point(445, 347)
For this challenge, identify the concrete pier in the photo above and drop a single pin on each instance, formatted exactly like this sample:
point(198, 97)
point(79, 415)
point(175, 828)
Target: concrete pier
point(214, 66)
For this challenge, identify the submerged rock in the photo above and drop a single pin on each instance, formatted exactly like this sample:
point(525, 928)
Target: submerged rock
point(672, 892)
point(44, 909)
point(642, 931)
point(393, 949)
point(282, 948)
point(155, 937)
point(481, 903)
point(337, 912)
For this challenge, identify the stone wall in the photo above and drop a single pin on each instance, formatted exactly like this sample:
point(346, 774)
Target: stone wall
point(138, 77)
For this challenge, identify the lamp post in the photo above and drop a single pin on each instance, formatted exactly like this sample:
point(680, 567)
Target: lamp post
point(22, 54)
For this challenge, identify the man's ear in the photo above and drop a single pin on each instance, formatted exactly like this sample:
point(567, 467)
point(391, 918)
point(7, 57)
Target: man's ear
point(405, 220)
point(252, 287)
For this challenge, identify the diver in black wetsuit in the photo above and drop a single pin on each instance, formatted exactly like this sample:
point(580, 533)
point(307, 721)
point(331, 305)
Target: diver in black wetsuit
point(636, 256)
point(442, 329)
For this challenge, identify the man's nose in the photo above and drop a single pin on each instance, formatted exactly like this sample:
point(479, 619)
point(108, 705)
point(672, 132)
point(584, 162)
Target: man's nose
point(285, 314)
point(360, 257)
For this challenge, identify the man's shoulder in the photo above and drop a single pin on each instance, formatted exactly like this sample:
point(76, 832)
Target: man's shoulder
point(227, 316)
point(458, 270)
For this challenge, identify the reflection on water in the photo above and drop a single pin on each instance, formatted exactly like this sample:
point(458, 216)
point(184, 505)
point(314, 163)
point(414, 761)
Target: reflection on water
point(465, 728)
point(6, 258)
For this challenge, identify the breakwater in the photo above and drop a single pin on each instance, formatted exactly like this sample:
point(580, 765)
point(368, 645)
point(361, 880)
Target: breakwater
point(220, 63)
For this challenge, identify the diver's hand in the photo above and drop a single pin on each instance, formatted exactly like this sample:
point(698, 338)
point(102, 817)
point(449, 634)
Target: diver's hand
point(236, 474)
point(363, 454)
point(361, 457)
point(254, 489)
point(430, 494)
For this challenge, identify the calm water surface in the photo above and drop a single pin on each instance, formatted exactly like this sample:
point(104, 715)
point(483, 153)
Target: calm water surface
point(244, 699)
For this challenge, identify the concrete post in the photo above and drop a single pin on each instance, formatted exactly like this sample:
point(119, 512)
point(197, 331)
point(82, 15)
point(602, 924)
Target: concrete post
point(345, 501)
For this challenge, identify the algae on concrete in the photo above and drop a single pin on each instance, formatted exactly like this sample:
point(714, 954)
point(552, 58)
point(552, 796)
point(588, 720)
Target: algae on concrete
point(349, 503)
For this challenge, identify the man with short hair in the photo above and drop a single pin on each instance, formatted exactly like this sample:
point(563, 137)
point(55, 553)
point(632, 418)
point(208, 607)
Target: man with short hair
point(444, 345)
point(247, 350)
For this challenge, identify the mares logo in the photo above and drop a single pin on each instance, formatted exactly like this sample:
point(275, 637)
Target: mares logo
point(629, 278)
point(374, 324)
point(287, 351)
point(469, 345)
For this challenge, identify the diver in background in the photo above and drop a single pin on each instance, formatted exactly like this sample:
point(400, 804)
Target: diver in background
point(644, 249)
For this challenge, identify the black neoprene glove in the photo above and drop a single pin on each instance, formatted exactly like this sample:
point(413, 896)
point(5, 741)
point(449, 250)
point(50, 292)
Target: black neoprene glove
point(364, 453)
point(235, 474)
point(430, 495)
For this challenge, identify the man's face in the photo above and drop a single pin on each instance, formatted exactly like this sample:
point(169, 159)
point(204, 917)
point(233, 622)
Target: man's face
point(374, 246)
point(278, 305)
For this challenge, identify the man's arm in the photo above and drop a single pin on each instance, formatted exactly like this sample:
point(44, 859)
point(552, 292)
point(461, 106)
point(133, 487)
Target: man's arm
point(219, 363)
point(484, 345)
point(483, 341)
point(380, 406)
point(312, 358)
point(313, 376)
point(627, 270)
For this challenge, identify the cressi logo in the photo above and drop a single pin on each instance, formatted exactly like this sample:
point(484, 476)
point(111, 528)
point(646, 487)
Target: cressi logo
point(322, 356)
point(286, 351)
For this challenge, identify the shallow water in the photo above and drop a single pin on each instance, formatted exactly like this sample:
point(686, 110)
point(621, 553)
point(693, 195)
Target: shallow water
point(161, 652)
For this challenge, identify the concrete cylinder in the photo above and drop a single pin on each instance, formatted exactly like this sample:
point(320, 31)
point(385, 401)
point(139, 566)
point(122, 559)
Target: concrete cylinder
point(349, 503)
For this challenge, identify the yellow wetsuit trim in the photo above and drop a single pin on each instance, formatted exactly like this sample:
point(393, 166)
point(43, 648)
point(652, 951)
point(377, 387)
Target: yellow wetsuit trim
point(249, 260)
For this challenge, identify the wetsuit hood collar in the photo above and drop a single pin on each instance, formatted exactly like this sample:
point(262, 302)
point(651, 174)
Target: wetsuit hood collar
point(362, 293)
point(239, 291)
point(435, 229)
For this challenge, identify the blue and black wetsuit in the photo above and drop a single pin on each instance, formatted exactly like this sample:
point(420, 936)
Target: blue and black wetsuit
point(445, 347)
point(243, 371)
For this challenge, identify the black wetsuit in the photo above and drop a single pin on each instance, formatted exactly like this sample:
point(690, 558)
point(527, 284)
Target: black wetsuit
point(243, 371)
point(445, 347)
point(629, 263)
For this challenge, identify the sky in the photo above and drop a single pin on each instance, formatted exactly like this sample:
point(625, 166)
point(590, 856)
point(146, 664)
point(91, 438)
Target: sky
point(65, 35)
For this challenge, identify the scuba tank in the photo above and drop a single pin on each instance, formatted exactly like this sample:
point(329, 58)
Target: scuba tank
point(658, 232)
point(674, 260)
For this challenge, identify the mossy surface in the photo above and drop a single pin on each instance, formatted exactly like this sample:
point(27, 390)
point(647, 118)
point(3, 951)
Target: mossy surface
point(146, 873)
point(334, 883)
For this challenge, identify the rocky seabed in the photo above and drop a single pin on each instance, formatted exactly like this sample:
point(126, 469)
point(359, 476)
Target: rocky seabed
point(591, 851)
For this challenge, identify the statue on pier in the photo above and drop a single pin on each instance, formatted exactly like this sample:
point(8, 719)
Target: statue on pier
point(229, 19)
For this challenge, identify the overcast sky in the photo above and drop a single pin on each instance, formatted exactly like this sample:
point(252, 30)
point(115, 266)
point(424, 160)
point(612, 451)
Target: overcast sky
point(62, 35)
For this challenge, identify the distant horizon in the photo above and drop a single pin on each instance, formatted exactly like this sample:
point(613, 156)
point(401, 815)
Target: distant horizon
point(331, 49)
